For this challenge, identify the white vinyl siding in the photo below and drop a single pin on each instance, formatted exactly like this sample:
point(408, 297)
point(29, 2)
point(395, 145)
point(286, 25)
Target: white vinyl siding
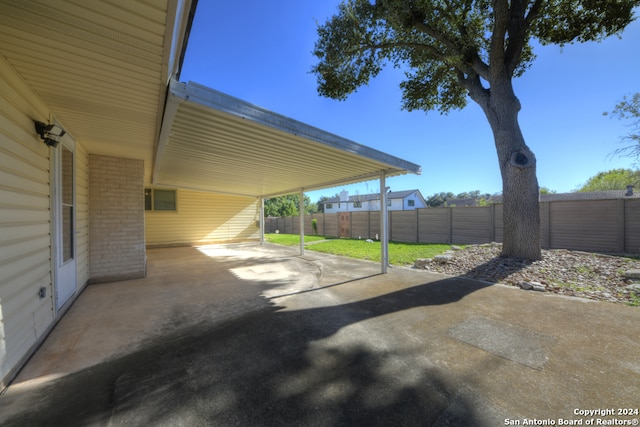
point(24, 223)
point(82, 216)
point(395, 204)
point(203, 218)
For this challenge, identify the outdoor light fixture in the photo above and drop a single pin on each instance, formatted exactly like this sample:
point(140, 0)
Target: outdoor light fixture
point(50, 133)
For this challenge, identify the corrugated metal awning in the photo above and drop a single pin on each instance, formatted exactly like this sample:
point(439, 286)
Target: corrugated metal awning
point(211, 141)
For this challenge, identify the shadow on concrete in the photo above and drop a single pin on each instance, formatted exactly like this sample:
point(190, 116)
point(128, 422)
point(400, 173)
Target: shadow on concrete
point(265, 366)
point(497, 269)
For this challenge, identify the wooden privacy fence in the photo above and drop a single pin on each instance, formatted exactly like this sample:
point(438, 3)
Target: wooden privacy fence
point(587, 225)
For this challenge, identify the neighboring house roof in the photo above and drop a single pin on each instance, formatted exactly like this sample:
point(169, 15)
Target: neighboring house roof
point(374, 196)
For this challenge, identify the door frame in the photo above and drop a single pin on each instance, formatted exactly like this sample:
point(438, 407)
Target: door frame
point(64, 272)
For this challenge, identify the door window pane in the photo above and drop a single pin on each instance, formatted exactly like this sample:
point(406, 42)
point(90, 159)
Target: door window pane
point(67, 233)
point(67, 176)
point(67, 204)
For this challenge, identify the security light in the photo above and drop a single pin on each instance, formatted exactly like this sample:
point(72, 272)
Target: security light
point(50, 133)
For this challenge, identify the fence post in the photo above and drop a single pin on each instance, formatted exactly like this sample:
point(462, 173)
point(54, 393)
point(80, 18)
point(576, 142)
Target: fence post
point(620, 222)
point(492, 222)
point(450, 225)
point(545, 208)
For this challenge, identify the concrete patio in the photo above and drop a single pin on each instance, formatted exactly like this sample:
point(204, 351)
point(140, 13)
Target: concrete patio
point(249, 335)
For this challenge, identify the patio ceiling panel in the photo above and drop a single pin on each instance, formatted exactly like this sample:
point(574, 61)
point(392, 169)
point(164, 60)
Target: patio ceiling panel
point(101, 67)
point(214, 142)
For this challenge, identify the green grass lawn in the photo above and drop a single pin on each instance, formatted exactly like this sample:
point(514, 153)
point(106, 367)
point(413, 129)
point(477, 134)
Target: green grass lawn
point(399, 253)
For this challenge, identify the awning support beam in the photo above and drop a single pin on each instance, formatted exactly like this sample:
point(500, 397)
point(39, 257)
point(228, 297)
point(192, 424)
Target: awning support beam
point(261, 221)
point(301, 210)
point(384, 241)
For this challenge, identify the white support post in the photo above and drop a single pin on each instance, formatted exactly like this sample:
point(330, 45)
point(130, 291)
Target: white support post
point(261, 221)
point(384, 241)
point(301, 208)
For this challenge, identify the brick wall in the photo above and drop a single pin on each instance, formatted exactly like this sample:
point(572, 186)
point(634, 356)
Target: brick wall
point(116, 219)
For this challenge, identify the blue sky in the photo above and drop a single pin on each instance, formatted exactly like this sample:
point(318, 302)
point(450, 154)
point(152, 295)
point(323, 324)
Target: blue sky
point(261, 52)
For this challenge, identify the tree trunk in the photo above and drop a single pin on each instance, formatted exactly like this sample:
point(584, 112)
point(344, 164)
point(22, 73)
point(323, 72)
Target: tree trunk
point(520, 192)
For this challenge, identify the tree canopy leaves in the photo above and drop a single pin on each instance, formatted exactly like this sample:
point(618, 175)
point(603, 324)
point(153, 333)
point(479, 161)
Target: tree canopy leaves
point(442, 198)
point(614, 179)
point(451, 48)
point(287, 206)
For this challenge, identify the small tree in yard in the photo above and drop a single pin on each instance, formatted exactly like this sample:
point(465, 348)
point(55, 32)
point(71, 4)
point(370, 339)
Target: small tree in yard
point(287, 206)
point(615, 179)
point(452, 49)
point(629, 109)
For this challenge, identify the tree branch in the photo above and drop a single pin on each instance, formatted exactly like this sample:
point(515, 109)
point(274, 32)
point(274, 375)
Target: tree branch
point(501, 24)
point(474, 86)
point(437, 35)
point(519, 26)
point(516, 35)
point(474, 61)
point(534, 12)
point(430, 49)
point(479, 66)
point(472, 57)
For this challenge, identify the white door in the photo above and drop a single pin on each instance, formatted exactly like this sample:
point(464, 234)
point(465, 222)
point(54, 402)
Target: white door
point(64, 222)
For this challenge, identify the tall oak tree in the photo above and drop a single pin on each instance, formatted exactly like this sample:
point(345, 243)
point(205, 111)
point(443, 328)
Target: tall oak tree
point(453, 50)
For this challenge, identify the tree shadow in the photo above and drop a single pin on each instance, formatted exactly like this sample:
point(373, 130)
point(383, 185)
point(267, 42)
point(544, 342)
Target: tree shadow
point(267, 366)
point(497, 269)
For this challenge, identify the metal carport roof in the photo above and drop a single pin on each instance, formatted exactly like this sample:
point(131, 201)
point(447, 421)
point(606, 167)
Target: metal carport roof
point(213, 142)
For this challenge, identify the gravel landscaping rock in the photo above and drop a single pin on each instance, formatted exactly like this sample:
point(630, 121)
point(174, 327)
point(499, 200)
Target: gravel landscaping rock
point(632, 274)
point(574, 273)
point(443, 259)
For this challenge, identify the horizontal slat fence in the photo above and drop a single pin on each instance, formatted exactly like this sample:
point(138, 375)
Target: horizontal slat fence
point(632, 225)
point(403, 226)
point(434, 225)
point(587, 225)
point(595, 228)
point(360, 224)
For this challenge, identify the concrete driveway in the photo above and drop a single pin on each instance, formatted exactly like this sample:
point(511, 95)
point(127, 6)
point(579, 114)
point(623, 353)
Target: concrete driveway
point(258, 336)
